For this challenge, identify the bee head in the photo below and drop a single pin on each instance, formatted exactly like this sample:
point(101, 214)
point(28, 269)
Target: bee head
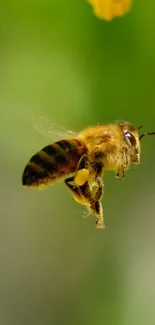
point(131, 137)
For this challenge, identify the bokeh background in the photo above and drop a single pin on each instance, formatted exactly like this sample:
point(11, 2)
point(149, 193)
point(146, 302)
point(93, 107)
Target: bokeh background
point(59, 63)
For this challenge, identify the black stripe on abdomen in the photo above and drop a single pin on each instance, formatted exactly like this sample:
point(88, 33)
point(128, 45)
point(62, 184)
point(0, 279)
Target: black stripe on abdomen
point(44, 164)
point(32, 176)
point(56, 152)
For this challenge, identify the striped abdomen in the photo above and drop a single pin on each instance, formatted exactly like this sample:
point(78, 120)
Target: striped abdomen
point(53, 162)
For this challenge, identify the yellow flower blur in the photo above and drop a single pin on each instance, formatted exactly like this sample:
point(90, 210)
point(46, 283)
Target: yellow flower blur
point(109, 9)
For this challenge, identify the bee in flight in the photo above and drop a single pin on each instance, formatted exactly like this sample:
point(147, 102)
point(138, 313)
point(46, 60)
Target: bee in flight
point(82, 160)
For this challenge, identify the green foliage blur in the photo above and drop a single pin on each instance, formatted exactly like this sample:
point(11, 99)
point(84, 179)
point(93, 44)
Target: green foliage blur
point(60, 63)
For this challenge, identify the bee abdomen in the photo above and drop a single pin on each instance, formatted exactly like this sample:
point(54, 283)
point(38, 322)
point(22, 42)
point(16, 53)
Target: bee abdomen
point(53, 162)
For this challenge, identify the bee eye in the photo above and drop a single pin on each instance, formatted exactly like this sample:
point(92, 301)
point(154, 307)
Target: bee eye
point(130, 138)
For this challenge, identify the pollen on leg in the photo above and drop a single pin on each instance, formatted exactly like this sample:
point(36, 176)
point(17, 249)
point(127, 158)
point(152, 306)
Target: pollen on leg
point(78, 199)
point(81, 176)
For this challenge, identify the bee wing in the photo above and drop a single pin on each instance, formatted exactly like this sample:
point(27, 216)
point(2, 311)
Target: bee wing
point(45, 127)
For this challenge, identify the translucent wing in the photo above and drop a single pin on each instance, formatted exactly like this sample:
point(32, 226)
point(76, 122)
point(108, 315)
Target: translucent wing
point(45, 127)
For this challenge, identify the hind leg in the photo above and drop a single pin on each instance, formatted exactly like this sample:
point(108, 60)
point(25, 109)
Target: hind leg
point(75, 190)
point(97, 180)
point(83, 170)
point(80, 177)
point(83, 195)
point(93, 204)
point(96, 208)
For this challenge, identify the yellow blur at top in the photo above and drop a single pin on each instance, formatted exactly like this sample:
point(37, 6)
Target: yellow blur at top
point(109, 9)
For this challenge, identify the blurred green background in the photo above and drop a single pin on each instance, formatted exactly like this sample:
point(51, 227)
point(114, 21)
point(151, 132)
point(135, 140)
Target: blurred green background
point(58, 61)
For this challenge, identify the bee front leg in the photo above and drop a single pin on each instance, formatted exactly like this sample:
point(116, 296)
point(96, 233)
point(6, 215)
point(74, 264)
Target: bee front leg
point(125, 163)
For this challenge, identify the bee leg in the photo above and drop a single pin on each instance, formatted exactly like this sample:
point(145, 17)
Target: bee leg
point(120, 173)
point(75, 191)
point(93, 205)
point(98, 185)
point(96, 208)
point(83, 196)
point(98, 192)
point(82, 171)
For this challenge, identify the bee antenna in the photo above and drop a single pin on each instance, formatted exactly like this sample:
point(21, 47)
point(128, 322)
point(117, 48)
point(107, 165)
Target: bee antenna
point(147, 133)
point(139, 127)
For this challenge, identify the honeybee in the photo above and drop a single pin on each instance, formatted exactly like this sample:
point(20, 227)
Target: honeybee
point(82, 160)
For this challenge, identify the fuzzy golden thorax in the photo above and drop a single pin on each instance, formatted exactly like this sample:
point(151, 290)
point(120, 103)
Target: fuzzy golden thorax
point(114, 145)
